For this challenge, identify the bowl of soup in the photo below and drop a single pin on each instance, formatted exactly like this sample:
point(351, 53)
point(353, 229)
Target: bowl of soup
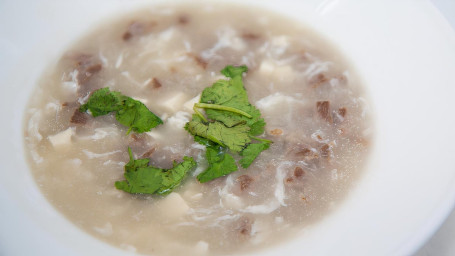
point(269, 128)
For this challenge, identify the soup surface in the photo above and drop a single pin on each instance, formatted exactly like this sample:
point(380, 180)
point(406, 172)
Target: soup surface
point(314, 108)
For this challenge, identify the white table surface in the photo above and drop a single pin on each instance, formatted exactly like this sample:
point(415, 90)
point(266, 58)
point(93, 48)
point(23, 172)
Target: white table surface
point(443, 241)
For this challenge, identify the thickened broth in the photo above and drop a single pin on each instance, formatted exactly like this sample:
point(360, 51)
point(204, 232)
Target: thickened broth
point(313, 105)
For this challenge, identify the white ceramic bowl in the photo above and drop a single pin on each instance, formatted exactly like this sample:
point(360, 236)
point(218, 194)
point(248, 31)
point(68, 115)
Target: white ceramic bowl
point(404, 51)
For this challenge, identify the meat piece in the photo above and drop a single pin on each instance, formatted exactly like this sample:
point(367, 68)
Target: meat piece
point(276, 132)
point(139, 142)
point(318, 80)
point(183, 19)
point(139, 137)
point(87, 66)
point(306, 153)
point(70, 105)
point(138, 28)
point(339, 115)
point(342, 112)
point(323, 109)
point(148, 153)
point(325, 150)
point(244, 226)
point(244, 181)
point(298, 172)
point(250, 36)
point(199, 60)
point(155, 84)
point(294, 180)
point(81, 71)
point(79, 117)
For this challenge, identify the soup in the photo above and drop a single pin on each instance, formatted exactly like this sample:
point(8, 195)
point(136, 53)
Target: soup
point(314, 108)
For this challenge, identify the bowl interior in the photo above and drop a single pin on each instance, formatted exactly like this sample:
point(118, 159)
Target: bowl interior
point(404, 54)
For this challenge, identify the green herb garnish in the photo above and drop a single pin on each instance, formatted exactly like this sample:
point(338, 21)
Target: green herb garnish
point(129, 112)
point(251, 152)
point(144, 179)
point(230, 126)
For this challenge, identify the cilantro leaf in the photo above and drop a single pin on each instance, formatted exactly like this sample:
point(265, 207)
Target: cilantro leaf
point(235, 138)
point(173, 177)
point(134, 164)
point(203, 141)
point(231, 71)
point(231, 124)
point(232, 93)
point(129, 112)
point(257, 128)
point(144, 179)
point(220, 164)
point(102, 102)
point(251, 152)
point(197, 126)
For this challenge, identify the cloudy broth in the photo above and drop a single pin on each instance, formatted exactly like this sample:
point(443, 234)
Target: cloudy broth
point(313, 105)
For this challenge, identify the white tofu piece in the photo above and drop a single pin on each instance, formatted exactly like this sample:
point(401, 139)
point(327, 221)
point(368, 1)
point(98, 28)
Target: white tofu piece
point(33, 126)
point(270, 68)
point(279, 45)
point(70, 87)
point(173, 206)
point(167, 34)
point(276, 100)
point(62, 139)
point(201, 248)
point(266, 67)
point(175, 102)
point(178, 120)
point(285, 72)
point(188, 106)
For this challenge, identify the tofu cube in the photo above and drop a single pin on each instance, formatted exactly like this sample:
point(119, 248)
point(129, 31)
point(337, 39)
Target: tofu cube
point(173, 206)
point(188, 106)
point(175, 102)
point(62, 139)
